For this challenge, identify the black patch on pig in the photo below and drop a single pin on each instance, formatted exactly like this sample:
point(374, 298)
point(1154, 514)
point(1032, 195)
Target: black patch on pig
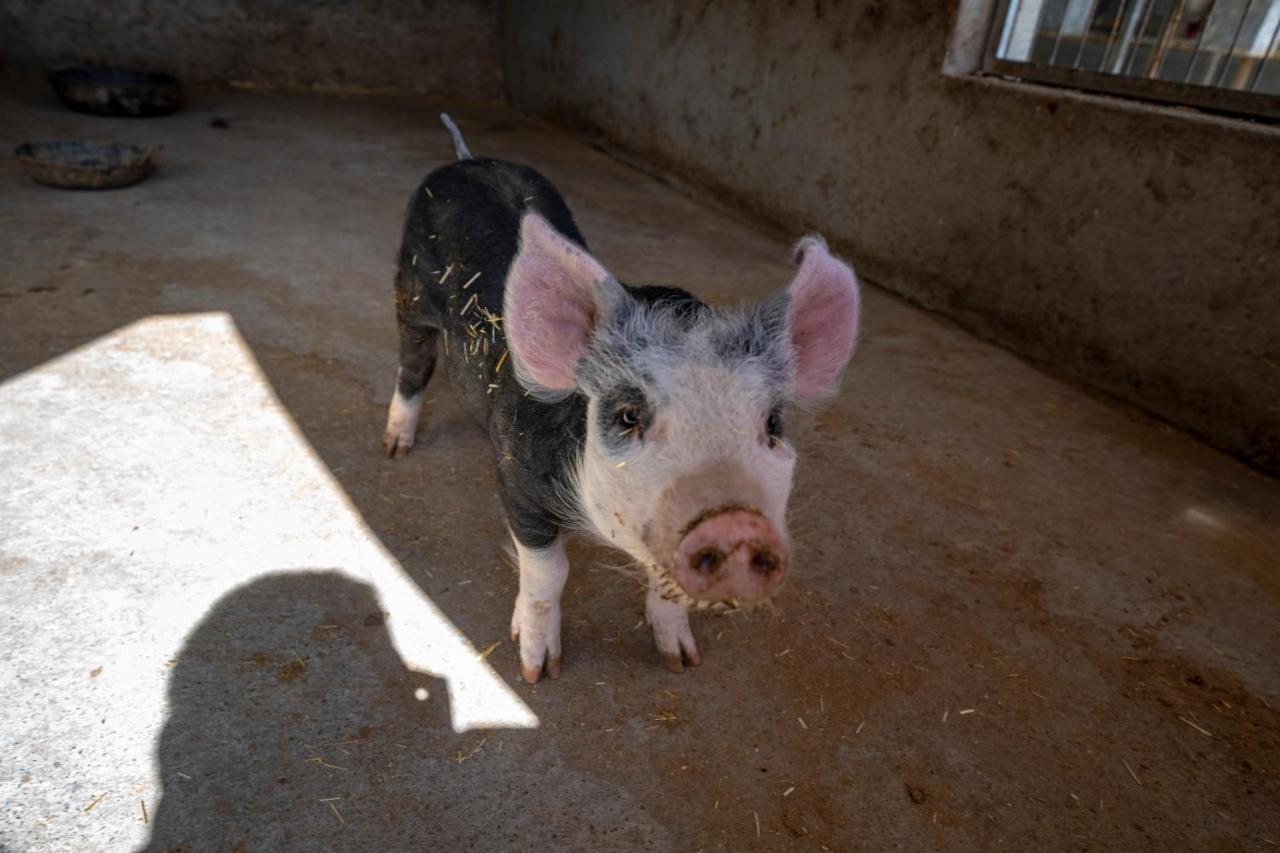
point(681, 307)
point(462, 228)
point(761, 337)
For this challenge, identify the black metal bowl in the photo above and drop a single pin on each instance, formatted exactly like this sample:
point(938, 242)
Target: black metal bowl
point(77, 164)
point(116, 91)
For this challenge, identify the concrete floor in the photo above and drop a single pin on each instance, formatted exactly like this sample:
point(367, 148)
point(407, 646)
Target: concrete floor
point(1021, 616)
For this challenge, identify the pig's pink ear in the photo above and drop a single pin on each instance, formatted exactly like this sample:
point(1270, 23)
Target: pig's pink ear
point(551, 306)
point(822, 317)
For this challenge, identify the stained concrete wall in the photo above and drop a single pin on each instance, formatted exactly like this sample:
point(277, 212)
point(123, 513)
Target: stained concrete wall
point(1134, 247)
point(434, 47)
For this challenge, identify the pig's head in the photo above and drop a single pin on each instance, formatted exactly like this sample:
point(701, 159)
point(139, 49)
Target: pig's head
point(686, 464)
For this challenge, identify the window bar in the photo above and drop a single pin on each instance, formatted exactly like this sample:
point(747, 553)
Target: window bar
point(1127, 40)
point(1040, 16)
point(1047, 18)
point(1088, 30)
point(1139, 36)
point(1115, 28)
point(1266, 57)
point(1057, 37)
point(1195, 51)
point(1010, 25)
point(1226, 61)
point(1176, 16)
point(1020, 31)
point(1006, 32)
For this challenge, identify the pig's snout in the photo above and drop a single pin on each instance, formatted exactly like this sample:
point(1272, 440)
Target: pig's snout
point(732, 554)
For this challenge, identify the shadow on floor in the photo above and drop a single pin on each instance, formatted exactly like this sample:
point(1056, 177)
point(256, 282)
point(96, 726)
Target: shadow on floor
point(294, 725)
point(278, 703)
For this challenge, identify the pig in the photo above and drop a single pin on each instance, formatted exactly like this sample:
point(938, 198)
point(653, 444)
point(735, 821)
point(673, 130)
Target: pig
point(640, 416)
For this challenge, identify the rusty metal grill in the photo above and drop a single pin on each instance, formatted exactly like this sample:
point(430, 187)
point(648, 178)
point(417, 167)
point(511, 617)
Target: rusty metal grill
point(1215, 53)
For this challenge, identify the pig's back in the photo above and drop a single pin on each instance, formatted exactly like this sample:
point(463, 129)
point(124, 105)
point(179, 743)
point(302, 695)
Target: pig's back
point(460, 237)
point(468, 214)
point(476, 205)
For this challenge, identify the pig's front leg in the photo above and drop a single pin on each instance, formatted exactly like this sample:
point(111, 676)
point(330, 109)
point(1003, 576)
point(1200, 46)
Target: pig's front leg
point(536, 621)
point(402, 423)
point(671, 631)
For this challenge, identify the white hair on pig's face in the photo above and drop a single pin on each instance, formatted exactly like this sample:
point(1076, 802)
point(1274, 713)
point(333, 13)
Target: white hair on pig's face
point(684, 401)
point(676, 387)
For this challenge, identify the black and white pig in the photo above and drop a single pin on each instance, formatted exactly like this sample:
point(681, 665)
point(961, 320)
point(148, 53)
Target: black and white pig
point(638, 415)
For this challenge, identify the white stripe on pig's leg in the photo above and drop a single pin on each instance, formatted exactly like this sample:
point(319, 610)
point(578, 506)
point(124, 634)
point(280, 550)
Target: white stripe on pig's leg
point(402, 422)
point(671, 631)
point(536, 620)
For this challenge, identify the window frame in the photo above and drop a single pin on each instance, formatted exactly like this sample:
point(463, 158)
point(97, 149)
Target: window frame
point(1257, 105)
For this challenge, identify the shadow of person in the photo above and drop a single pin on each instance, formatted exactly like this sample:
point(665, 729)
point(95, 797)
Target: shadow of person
point(290, 716)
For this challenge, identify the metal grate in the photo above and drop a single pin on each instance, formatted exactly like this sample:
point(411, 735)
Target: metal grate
point(1217, 53)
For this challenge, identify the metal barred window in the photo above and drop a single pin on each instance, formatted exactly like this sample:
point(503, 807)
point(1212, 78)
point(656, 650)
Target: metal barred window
point(1219, 54)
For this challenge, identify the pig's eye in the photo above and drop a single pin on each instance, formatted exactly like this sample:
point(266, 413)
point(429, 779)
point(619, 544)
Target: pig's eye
point(773, 427)
point(625, 414)
point(630, 420)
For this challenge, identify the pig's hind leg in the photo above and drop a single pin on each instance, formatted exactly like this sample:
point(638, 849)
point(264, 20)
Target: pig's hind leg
point(670, 622)
point(536, 620)
point(418, 338)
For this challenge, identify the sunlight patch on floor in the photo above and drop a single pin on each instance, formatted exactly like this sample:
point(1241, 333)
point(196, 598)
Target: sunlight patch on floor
point(146, 475)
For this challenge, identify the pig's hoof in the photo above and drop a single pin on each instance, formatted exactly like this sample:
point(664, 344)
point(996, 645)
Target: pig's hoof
point(671, 632)
point(531, 674)
point(536, 624)
point(402, 423)
point(396, 444)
